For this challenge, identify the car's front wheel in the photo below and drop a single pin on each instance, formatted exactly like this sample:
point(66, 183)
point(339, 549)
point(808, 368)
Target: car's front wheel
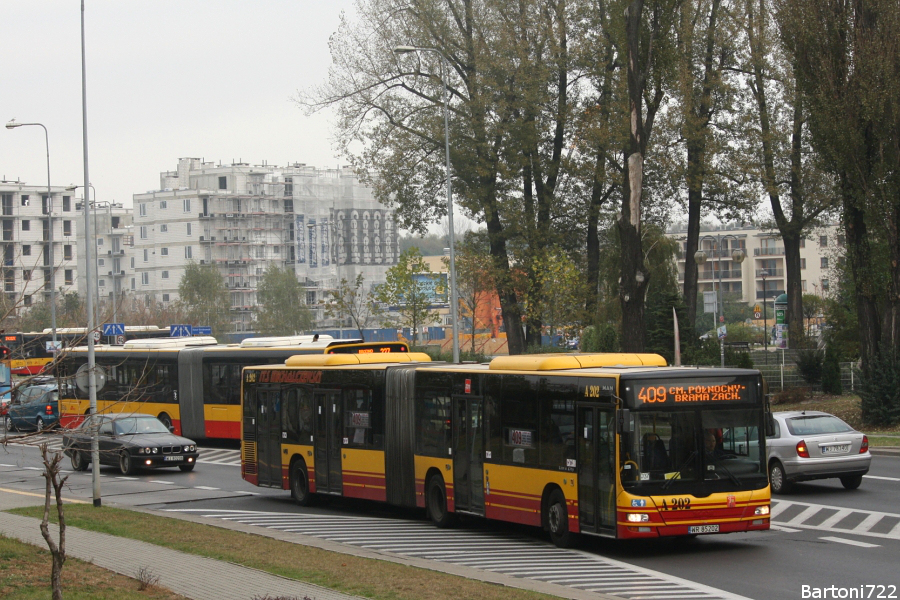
point(186, 468)
point(126, 464)
point(777, 479)
point(79, 463)
point(851, 482)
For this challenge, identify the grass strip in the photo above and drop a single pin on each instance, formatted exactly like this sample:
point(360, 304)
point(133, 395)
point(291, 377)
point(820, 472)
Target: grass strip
point(380, 580)
point(25, 575)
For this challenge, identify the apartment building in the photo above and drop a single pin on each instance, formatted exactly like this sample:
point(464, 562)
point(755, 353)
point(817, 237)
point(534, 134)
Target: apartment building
point(31, 221)
point(761, 275)
point(112, 232)
point(322, 223)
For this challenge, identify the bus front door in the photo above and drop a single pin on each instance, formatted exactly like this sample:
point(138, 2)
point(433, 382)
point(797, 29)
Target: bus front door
point(468, 454)
point(268, 432)
point(595, 428)
point(328, 443)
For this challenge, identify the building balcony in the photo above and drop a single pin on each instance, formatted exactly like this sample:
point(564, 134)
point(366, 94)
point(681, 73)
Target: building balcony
point(770, 273)
point(776, 251)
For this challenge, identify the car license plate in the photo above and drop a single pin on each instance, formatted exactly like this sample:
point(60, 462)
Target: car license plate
point(841, 449)
point(173, 458)
point(703, 529)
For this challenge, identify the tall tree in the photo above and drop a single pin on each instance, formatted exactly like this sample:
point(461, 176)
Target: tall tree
point(204, 298)
point(354, 302)
point(281, 302)
point(409, 291)
point(474, 277)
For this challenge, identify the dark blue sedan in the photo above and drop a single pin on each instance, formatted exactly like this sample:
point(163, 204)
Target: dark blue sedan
point(35, 407)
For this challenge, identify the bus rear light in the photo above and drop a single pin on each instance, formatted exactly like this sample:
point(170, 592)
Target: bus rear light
point(638, 518)
point(865, 445)
point(802, 450)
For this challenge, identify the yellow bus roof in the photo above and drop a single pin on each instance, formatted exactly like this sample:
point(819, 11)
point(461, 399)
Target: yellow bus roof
point(374, 358)
point(556, 362)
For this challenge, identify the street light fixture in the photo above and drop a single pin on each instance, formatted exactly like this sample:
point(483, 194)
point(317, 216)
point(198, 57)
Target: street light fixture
point(738, 256)
point(445, 75)
point(12, 125)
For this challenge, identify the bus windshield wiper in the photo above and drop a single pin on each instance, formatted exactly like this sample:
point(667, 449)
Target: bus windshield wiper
point(677, 474)
point(731, 475)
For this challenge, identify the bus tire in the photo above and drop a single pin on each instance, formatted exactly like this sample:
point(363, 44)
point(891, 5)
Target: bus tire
point(558, 521)
point(166, 420)
point(126, 465)
point(300, 484)
point(436, 502)
point(78, 461)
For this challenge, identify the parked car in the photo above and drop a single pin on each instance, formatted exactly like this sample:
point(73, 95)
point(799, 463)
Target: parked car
point(35, 406)
point(811, 445)
point(130, 442)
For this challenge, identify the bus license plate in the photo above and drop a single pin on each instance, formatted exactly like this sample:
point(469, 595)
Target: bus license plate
point(703, 529)
point(173, 458)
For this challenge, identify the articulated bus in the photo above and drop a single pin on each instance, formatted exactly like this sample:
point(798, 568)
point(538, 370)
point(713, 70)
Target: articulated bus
point(31, 352)
point(192, 383)
point(614, 445)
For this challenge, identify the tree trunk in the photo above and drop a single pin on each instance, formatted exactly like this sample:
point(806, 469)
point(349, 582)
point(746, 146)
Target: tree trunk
point(794, 316)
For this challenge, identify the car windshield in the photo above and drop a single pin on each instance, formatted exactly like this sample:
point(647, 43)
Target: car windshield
point(137, 425)
point(816, 425)
point(666, 447)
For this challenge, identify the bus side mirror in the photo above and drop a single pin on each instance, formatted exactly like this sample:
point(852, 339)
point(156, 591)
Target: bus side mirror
point(770, 420)
point(623, 420)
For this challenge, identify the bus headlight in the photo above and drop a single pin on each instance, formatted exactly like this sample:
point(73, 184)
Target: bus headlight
point(638, 517)
point(761, 510)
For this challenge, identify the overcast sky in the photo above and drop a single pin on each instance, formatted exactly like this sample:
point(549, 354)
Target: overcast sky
point(165, 79)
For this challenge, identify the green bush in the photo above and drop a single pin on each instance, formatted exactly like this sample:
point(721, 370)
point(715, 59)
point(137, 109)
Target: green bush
point(701, 353)
point(793, 395)
point(738, 359)
point(881, 388)
point(831, 371)
point(809, 365)
point(600, 338)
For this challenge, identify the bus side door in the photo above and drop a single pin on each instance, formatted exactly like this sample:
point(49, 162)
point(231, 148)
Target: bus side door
point(468, 454)
point(268, 434)
point(328, 442)
point(596, 434)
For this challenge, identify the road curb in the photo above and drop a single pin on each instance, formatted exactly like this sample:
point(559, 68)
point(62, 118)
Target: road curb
point(885, 451)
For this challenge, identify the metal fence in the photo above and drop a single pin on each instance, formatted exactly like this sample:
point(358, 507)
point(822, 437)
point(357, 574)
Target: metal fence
point(781, 372)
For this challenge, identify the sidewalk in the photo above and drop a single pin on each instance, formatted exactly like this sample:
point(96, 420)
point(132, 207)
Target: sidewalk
point(191, 576)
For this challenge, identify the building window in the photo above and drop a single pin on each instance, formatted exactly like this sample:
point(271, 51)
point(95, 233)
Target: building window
point(824, 285)
point(28, 297)
point(187, 205)
point(188, 229)
point(288, 186)
point(132, 262)
point(840, 240)
point(165, 274)
point(101, 283)
point(142, 209)
point(802, 263)
point(146, 255)
point(803, 285)
point(824, 262)
point(26, 250)
point(25, 202)
point(188, 252)
point(310, 298)
point(165, 297)
point(223, 183)
point(164, 251)
point(823, 241)
point(101, 262)
point(164, 228)
point(26, 275)
point(99, 241)
point(67, 203)
point(143, 232)
point(67, 252)
point(67, 228)
point(145, 278)
point(163, 204)
point(45, 204)
point(26, 225)
point(70, 279)
point(132, 283)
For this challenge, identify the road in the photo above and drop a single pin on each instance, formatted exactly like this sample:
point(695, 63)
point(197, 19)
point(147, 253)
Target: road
point(822, 535)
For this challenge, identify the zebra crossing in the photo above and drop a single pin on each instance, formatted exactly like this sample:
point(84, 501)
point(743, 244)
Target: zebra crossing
point(211, 456)
point(788, 514)
point(511, 554)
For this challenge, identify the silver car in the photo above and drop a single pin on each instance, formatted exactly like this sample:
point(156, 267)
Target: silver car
point(815, 445)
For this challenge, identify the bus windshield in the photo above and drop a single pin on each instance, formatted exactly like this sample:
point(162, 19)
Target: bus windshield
point(668, 449)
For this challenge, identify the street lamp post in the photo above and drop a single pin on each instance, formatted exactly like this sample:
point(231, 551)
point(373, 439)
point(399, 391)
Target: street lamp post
point(765, 274)
point(445, 75)
point(737, 256)
point(12, 125)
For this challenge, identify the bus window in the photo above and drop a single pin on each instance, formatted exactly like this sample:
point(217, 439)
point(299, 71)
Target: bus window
point(358, 418)
point(434, 424)
point(519, 415)
point(221, 382)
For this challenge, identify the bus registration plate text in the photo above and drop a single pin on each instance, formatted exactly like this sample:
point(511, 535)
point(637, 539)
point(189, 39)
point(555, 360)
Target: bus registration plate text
point(703, 529)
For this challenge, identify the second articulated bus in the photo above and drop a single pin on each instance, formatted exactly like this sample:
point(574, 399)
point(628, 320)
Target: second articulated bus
point(192, 383)
point(614, 445)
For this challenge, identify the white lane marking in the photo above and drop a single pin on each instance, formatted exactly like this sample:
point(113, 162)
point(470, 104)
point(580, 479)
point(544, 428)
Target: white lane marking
point(779, 508)
point(247, 493)
point(805, 514)
point(882, 478)
point(204, 487)
point(128, 478)
point(868, 522)
point(849, 542)
point(161, 481)
point(835, 518)
point(782, 528)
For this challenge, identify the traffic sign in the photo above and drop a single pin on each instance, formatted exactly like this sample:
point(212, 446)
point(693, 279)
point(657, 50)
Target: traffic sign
point(757, 309)
point(120, 340)
point(202, 330)
point(180, 331)
point(722, 332)
point(721, 318)
point(96, 335)
point(110, 329)
point(757, 315)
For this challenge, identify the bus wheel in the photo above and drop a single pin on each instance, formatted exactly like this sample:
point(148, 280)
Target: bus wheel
point(436, 502)
point(558, 521)
point(78, 461)
point(300, 484)
point(166, 420)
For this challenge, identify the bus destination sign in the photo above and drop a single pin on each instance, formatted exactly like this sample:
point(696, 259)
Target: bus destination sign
point(661, 392)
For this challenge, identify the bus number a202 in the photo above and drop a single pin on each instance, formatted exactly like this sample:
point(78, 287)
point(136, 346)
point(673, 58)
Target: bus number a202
point(676, 504)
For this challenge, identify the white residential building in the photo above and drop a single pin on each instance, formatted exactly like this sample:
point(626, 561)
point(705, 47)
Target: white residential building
point(25, 218)
point(112, 231)
point(323, 224)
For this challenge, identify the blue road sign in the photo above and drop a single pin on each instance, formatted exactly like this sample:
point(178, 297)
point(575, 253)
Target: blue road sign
point(110, 329)
point(202, 330)
point(180, 331)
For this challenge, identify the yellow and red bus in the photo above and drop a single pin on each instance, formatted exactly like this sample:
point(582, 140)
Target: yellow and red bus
point(609, 445)
point(190, 383)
